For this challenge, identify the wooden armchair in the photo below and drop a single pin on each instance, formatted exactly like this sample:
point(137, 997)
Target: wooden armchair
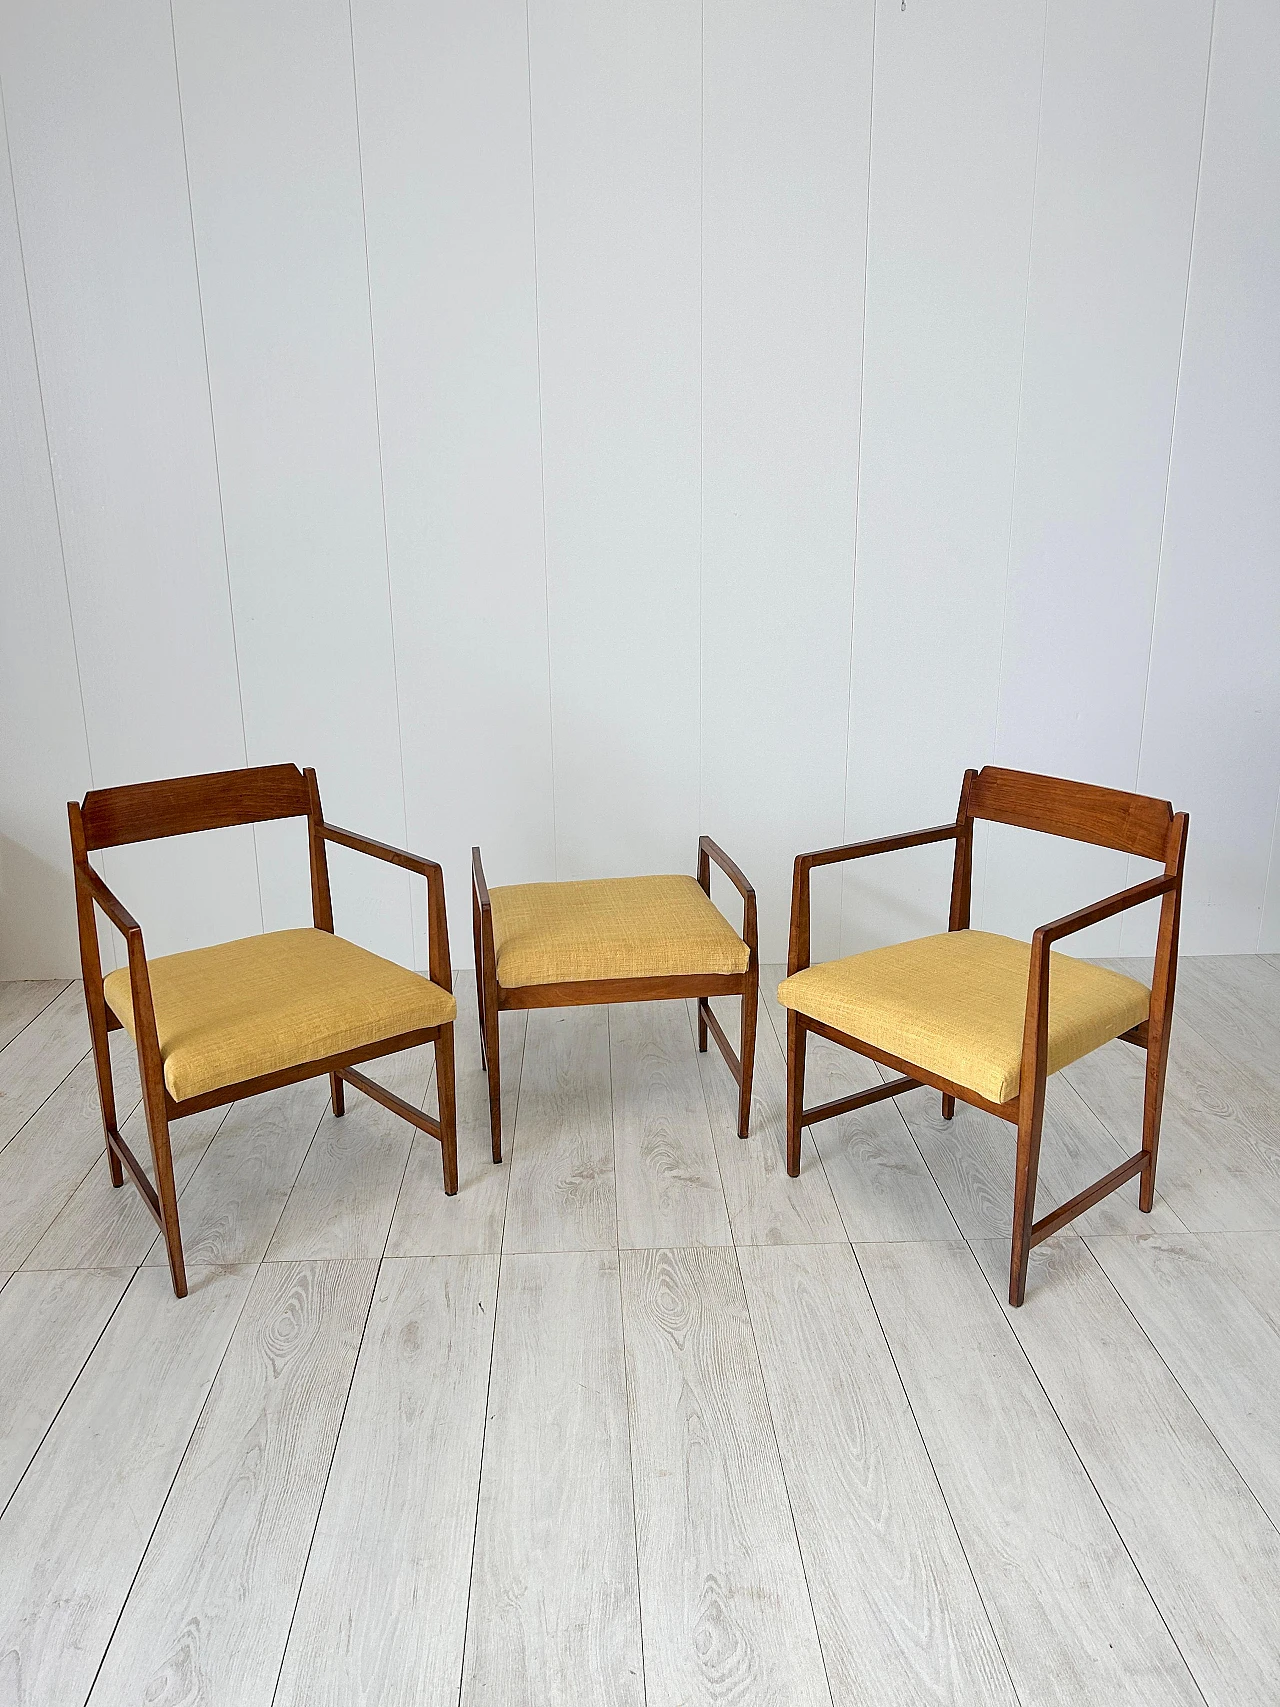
point(217, 1024)
point(985, 1018)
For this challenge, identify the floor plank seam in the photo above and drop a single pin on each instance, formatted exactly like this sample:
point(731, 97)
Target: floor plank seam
point(631, 1465)
point(36, 1015)
point(62, 1081)
point(942, 1492)
point(177, 1471)
point(475, 1519)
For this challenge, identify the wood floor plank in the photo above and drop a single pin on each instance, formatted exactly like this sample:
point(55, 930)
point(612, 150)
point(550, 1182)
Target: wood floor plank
point(554, 1613)
point(898, 1613)
point(1204, 1547)
point(343, 1199)
point(561, 1192)
point(766, 1206)
point(1253, 1262)
point(1221, 1348)
point(102, 1227)
point(726, 1611)
point(1074, 1621)
point(208, 1616)
point(49, 1323)
point(43, 1166)
point(1233, 1001)
point(382, 1613)
point(665, 1168)
point(426, 1222)
point(73, 1533)
point(22, 999)
point(39, 1058)
point(233, 1201)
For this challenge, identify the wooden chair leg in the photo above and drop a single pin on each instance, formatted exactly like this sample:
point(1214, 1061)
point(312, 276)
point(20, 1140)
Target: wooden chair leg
point(702, 1025)
point(747, 1051)
point(1152, 1107)
point(948, 1106)
point(1024, 1195)
point(478, 943)
point(106, 1091)
point(796, 1038)
point(336, 1094)
point(489, 1025)
point(448, 1109)
point(166, 1191)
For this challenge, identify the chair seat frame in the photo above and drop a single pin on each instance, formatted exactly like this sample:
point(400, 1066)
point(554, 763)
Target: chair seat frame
point(494, 998)
point(186, 805)
point(1134, 824)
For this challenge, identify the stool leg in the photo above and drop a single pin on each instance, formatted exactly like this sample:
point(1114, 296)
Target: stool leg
point(337, 1095)
point(747, 1049)
point(701, 1005)
point(948, 1106)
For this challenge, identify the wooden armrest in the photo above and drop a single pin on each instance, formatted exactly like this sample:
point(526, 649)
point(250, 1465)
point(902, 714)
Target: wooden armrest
point(719, 857)
point(709, 851)
point(478, 883)
point(1070, 923)
point(437, 922)
point(119, 915)
point(798, 947)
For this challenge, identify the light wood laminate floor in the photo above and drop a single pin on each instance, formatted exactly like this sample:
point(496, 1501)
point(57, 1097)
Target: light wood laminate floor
point(635, 1419)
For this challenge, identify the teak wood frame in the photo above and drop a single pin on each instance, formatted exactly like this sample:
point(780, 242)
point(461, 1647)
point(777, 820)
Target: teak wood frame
point(143, 812)
point(494, 998)
point(1076, 811)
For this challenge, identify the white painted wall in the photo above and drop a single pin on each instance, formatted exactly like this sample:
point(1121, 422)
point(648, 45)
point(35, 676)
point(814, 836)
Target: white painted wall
point(571, 426)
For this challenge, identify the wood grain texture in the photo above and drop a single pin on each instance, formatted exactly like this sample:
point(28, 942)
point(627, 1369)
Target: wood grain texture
point(1074, 1621)
point(382, 1612)
point(343, 1199)
point(41, 1169)
point(1234, 1000)
point(49, 1323)
point(73, 1534)
point(102, 1228)
point(1222, 1349)
point(765, 1206)
point(666, 1173)
point(426, 1222)
point(209, 1613)
point(561, 1194)
point(722, 1588)
point(40, 1057)
point(21, 1000)
point(1203, 1545)
point(236, 1196)
point(1253, 1262)
point(554, 1612)
point(880, 1180)
point(898, 1612)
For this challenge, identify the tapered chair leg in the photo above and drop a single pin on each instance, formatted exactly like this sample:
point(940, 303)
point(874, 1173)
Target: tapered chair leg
point(337, 1095)
point(1024, 1195)
point(948, 1106)
point(489, 1031)
point(448, 1108)
point(700, 1004)
point(796, 1039)
point(477, 938)
point(166, 1191)
point(106, 1096)
point(747, 1052)
point(1152, 1107)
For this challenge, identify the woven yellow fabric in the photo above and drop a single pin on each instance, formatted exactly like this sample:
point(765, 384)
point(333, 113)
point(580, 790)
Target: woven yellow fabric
point(955, 1005)
point(613, 927)
point(241, 1009)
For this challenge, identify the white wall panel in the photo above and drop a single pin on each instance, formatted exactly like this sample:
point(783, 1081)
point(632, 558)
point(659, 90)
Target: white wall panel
point(953, 142)
point(615, 93)
point(786, 134)
point(44, 757)
point(268, 106)
point(1212, 736)
point(1115, 198)
point(444, 122)
point(94, 132)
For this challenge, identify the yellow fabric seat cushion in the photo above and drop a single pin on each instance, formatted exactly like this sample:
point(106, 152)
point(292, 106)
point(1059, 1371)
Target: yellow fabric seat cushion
point(613, 927)
point(955, 1005)
point(241, 1009)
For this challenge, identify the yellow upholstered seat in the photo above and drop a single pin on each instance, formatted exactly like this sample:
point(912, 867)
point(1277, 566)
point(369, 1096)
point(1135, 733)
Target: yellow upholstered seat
point(955, 1005)
point(616, 927)
point(241, 1009)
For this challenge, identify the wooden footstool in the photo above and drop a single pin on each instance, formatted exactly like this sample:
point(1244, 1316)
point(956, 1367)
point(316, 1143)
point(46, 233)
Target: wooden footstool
point(617, 939)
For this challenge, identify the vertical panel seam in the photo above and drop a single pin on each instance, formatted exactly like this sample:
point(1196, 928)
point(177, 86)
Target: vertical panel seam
point(1173, 429)
point(857, 483)
point(409, 888)
point(542, 454)
point(44, 422)
point(1017, 447)
point(213, 436)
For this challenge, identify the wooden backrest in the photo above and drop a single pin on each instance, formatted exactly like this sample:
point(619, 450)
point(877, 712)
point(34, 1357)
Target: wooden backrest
point(1080, 811)
point(146, 811)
